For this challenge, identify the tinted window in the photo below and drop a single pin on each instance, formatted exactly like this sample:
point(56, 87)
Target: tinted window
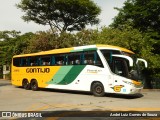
point(74, 59)
point(108, 54)
point(34, 61)
point(77, 58)
point(92, 58)
point(24, 61)
point(120, 67)
point(59, 59)
point(16, 61)
point(45, 60)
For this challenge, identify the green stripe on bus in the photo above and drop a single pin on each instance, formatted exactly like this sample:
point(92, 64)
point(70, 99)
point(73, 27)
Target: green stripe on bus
point(86, 49)
point(59, 76)
point(89, 49)
point(66, 75)
point(72, 74)
point(77, 50)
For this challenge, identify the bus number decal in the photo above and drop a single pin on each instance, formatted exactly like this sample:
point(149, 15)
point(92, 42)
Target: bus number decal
point(37, 70)
point(117, 88)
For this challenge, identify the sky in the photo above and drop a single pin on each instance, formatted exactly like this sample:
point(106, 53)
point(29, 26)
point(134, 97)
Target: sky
point(10, 15)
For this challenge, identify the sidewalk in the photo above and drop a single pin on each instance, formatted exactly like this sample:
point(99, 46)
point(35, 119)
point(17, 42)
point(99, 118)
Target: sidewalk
point(4, 82)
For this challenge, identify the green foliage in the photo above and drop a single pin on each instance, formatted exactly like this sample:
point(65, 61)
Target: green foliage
point(22, 43)
point(12, 43)
point(7, 44)
point(65, 15)
point(85, 37)
point(143, 15)
point(41, 41)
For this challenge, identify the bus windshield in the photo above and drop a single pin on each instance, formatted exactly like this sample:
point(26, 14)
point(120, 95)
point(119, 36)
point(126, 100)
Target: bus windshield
point(121, 66)
point(135, 72)
point(139, 65)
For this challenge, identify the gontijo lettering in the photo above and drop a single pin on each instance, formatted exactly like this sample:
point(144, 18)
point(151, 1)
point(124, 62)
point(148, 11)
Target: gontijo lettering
point(37, 70)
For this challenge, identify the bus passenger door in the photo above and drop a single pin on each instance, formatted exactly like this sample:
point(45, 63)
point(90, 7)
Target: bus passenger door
point(120, 68)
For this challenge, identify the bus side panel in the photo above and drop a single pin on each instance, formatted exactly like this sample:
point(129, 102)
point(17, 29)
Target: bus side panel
point(41, 74)
point(16, 76)
point(80, 79)
point(66, 75)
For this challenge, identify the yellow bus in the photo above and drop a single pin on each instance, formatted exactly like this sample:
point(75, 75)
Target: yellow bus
point(98, 69)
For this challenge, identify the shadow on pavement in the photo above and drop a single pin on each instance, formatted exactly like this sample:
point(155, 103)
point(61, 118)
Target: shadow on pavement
point(135, 96)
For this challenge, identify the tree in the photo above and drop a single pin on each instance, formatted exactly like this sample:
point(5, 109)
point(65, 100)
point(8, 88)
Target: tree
point(7, 43)
point(41, 41)
point(65, 15)
point(143, 15)
point(12, 43)
point(22, 42)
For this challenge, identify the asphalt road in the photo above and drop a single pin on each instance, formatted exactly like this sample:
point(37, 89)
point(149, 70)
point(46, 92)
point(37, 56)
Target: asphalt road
point(17, 99)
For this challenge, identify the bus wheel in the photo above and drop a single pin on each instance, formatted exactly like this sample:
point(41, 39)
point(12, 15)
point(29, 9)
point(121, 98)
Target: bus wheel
point(34, 85)
point(26, 84)
point(97, 89)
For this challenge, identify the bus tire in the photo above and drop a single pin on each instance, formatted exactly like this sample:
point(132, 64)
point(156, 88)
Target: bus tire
point(34, 85)
point(97, 89)
point(26, 84)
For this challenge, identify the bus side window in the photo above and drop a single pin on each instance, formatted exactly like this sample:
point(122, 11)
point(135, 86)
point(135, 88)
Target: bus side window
point(97, 60)
point(88, 58)
point(59, 60)
point(74, 59)
point(92, 58)
point(24, 61)
point(46, 60)
point(17, 62)
point(34, 61)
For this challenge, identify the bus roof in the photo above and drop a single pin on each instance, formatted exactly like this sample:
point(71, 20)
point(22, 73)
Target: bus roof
point(76, 49)
point(101, 46)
